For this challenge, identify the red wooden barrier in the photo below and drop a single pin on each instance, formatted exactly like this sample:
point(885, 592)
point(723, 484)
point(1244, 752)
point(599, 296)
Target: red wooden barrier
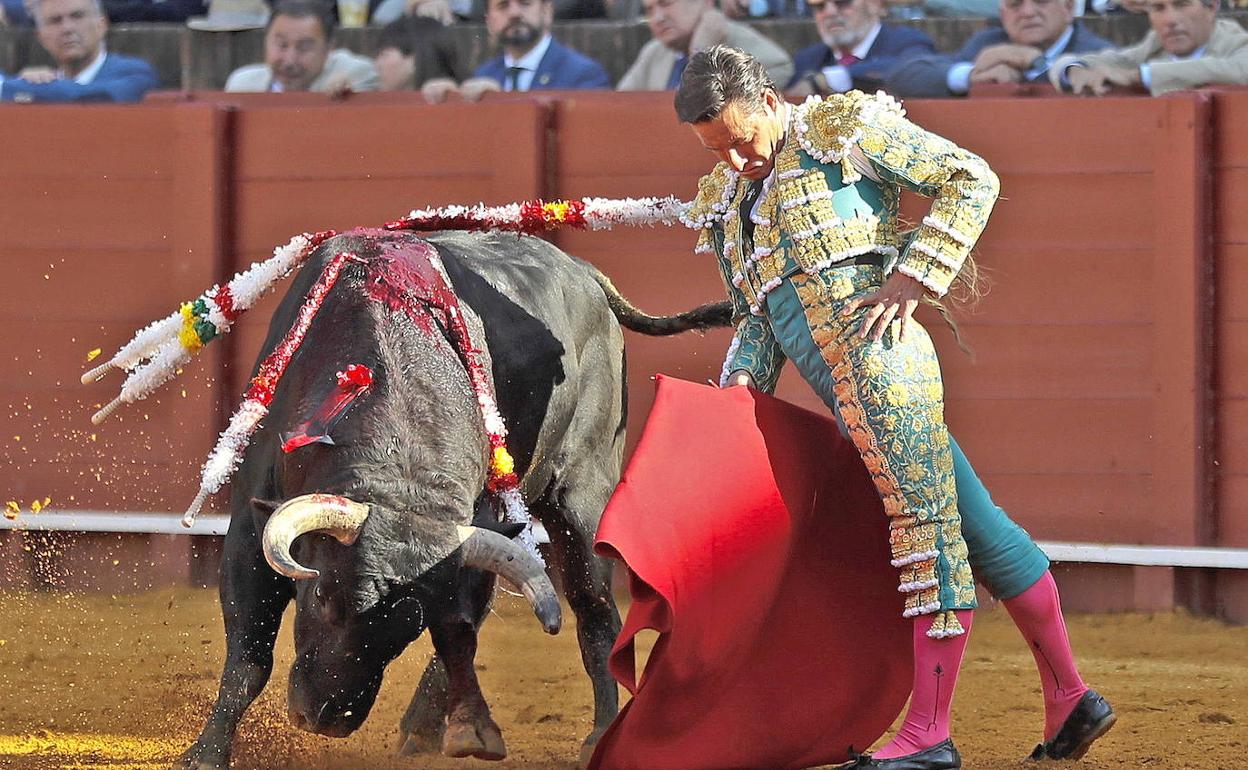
point(1231, 333)
point(1087, 406)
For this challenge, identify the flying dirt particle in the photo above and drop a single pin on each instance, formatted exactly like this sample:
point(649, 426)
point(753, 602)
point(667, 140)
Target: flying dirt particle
point(93, 354)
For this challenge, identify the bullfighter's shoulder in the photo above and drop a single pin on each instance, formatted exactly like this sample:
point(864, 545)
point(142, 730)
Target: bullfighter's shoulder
point(827, 129)
point(715, 193)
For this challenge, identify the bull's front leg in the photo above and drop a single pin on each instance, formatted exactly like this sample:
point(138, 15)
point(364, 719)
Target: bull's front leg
point(253, 598)
point(470, 731)
point(424, 722)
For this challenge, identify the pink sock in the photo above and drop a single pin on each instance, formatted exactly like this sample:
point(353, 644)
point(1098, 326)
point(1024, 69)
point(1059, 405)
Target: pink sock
point(1038, 614)
point(936, 666)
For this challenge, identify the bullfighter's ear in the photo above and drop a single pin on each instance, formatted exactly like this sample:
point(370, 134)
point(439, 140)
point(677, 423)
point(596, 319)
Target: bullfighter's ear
point(264, 506)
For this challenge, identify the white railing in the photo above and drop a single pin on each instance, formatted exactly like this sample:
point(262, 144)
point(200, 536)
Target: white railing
point(216, 524)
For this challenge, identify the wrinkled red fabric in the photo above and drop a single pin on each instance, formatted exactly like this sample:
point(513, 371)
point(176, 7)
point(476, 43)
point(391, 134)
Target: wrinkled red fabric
point(757, 548)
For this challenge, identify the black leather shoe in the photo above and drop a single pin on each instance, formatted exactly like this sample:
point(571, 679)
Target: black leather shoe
point(942, 756)
point(1092, 718)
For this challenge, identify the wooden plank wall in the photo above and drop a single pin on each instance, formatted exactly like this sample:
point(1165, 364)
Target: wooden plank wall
point(1231, 332)
point(111, 222)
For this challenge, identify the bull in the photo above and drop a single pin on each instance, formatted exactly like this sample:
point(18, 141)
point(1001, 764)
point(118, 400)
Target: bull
point(383, 531)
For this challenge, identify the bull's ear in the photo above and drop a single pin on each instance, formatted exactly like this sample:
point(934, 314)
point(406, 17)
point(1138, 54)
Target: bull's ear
point(264, 506)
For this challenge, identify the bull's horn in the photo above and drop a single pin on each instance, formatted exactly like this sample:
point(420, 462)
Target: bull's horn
point(488, 550)
point(331, 514)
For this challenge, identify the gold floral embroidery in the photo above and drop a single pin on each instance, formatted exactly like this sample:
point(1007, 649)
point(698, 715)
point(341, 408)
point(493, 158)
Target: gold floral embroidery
point(890, 398)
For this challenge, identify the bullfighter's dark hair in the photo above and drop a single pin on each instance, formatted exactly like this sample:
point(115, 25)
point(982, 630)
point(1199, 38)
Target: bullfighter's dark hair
point(719, 76)
point(307, 9)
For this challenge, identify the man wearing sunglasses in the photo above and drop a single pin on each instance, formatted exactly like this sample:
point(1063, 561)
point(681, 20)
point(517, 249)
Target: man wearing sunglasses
point(1032, 35)
point(858, 51)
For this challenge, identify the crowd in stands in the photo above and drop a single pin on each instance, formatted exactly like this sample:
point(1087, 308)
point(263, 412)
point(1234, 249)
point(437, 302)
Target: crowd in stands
point(863, 44)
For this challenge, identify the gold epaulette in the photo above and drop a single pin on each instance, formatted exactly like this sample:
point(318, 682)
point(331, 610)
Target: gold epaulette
point(827, 129)
point(715, 193)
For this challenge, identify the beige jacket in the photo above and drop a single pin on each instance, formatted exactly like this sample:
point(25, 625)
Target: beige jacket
point(1225, 61)
point(654, 63)
point(359, 70)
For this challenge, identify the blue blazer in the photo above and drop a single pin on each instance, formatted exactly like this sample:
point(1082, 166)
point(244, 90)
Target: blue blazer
point(927, 76)
point(560, 68)
point(120, 79)
point(892, 46)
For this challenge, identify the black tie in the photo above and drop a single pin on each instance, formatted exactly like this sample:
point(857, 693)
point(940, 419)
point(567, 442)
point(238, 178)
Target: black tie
point(747, 224)
point(513, 78)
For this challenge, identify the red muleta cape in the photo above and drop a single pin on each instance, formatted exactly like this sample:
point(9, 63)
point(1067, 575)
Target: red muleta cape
point(757, 548)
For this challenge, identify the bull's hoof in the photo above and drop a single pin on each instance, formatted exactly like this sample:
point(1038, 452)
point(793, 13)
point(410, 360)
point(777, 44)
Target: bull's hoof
point(413, 743)
point(587, 748)
point(482, 740)
point(195, 758)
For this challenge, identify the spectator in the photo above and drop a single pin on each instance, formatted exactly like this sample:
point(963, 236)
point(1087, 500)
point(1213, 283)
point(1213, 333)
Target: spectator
point(1187, 47)
point(858, 51)
point(128, 11)
point(680, 27)
point(1032, 35)
point(72, 31)
point(13, 14)
point(531, 59)
point(298, 55)
point(413, 51)
point(448, 11)
point(232, 16)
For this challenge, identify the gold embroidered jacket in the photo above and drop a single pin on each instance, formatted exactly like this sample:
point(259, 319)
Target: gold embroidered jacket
point(835, 196)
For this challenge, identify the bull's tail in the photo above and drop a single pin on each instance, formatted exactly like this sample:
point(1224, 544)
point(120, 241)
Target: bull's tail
point(708, 316)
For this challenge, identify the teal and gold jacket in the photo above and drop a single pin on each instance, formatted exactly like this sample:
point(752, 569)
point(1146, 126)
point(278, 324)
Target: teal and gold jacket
point(834, 196)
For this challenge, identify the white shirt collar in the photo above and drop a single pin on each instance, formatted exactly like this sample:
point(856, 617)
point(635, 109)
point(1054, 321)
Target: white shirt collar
point(1053, 51)
point(861, 50)
point(531, 59)
point(93, 69)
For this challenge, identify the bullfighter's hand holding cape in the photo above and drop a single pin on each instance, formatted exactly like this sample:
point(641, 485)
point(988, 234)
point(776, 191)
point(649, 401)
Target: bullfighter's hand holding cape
point(765, 571)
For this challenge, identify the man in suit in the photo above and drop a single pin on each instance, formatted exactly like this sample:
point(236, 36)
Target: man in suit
point(531, 60)
point(1188, 47)
point(299, 55)
point(1032, 35)
point(682, 27)
point(72, 31)
point(857, 51)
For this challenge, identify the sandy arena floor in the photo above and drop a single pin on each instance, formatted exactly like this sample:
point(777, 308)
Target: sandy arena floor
point(125, 682)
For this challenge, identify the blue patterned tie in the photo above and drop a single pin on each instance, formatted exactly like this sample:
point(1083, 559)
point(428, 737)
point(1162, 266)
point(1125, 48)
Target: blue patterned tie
point(678, 69)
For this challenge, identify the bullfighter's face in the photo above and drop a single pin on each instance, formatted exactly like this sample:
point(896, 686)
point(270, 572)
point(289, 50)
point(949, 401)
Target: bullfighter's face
point(1182, 26)
point(295, 48)
point(746, 140)
point(71, 31)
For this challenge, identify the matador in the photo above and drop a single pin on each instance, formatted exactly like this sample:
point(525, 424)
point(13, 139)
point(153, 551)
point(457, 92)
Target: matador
point(801, 216)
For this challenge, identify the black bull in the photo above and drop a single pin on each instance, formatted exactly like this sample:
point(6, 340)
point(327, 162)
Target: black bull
point(402, 538)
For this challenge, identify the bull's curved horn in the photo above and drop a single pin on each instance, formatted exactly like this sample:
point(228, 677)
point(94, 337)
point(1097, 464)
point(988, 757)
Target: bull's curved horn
point(488, 550)
point(331, 514)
